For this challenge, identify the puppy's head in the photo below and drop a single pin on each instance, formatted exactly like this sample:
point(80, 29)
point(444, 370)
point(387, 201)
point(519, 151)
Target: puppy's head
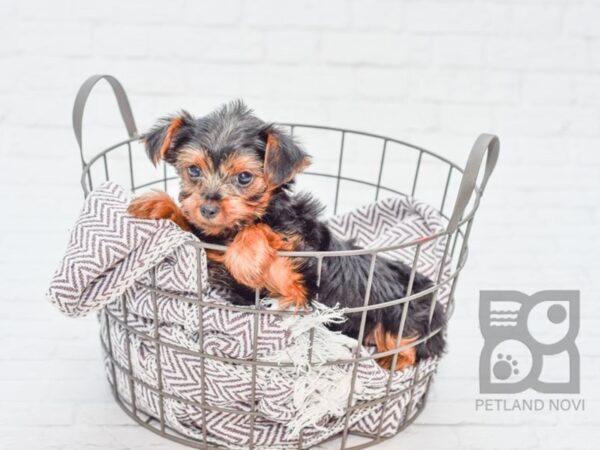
point(230, 164)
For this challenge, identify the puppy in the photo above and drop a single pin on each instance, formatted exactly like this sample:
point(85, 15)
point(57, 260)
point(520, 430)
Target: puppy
point(236, 175)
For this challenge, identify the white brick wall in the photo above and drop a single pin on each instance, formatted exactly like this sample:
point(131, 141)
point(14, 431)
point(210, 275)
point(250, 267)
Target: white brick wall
point(433, 72)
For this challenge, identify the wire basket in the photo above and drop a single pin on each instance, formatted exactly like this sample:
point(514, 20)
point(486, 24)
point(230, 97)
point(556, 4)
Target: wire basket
point(352, 168)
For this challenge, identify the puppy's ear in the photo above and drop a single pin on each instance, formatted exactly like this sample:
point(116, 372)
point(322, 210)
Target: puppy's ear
point(283, 157)
point(161, 139)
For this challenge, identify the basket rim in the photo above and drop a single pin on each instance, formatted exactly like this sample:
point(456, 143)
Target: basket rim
point(373, 251)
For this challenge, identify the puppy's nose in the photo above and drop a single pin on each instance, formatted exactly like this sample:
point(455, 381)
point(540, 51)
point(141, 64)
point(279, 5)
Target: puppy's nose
point(209, 210)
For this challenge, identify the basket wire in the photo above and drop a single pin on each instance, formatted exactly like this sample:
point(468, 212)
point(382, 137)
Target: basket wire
point(454, 237)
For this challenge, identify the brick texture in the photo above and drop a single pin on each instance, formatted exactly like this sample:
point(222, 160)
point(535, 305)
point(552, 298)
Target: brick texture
point(436, 73)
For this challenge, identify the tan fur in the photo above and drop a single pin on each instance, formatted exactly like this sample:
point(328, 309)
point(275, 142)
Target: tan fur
point(238, 206)
point(164, 148)
point(158, 205)
point(252, 260)
point(193, 157)
point(385, 341)
point(248, 257)
point(241, 163)
point(283, 278)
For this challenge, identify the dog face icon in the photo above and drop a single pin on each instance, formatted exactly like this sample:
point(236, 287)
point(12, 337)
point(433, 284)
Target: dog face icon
point(521, 332)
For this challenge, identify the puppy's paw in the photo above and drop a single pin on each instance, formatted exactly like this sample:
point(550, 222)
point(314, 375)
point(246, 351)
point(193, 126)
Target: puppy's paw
point(157, 205)
point(386, 341)
point(285, 282)
point(250, 254)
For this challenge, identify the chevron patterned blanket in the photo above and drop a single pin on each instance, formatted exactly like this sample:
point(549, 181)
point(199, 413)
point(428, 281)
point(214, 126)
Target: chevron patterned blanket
point(111, 256)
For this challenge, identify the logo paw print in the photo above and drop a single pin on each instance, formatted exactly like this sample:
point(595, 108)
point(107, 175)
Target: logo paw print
point(505, 367)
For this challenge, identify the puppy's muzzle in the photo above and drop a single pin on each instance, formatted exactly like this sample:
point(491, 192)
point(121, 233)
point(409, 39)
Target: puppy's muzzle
point(209, 210)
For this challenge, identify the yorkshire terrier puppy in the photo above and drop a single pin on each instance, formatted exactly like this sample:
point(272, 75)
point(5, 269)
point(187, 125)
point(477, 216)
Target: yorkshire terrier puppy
point(236, 175)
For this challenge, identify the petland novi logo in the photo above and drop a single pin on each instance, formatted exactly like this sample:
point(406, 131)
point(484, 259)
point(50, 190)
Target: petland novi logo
point(529, 343)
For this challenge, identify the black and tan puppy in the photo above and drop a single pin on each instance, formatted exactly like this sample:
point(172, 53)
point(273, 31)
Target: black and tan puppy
point(236, 173)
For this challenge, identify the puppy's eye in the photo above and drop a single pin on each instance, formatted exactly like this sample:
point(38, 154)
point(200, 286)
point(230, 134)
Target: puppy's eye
point(193, 171)
point(244, 178)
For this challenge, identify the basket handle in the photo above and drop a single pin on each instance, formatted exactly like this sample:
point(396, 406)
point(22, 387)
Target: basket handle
point(81, 99)
point(485, 144)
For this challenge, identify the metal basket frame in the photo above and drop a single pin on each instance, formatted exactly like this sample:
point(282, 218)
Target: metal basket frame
point(458, 228)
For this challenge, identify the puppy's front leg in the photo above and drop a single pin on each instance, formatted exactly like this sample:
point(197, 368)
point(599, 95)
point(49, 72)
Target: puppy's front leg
point(158, 205)
point(284, 280)
point(250, 254)
point(252, 260)
point(385, 341)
